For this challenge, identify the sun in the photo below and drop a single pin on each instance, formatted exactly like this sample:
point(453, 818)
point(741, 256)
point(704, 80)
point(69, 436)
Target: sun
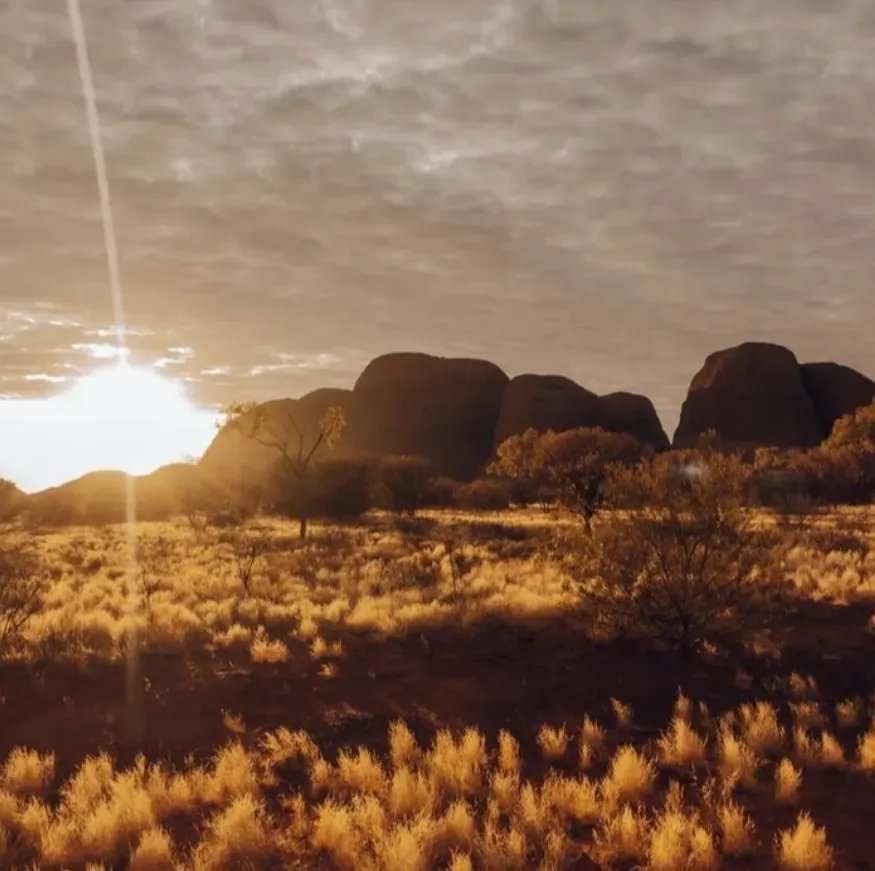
point(122, 418)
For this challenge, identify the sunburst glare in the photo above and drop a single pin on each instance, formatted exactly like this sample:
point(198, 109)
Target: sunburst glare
point(121, 417)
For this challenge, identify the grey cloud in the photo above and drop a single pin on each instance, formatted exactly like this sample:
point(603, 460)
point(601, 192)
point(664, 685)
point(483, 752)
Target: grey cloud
point(607, 191)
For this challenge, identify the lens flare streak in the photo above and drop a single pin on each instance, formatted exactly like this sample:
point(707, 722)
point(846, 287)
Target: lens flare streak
point(134, 681)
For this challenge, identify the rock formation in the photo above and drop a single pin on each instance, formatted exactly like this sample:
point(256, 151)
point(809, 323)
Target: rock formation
point(836, 391)
point(753, 395)
point(552, 402)
point(545, 402)
point(633, 414)
point(439, 408)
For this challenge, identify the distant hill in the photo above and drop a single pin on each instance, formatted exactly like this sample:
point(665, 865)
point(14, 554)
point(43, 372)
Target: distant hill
point(102, 497)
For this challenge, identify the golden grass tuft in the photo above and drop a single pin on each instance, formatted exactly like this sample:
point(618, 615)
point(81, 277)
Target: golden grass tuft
point(681, 745)
point(630, 776)
point(762, 731)
point(154, 852)
point(788, 781)
point(808, 715)
point(678, 842)
point(239, 836)
point(553, 743)
point(736, 830)
point(849, 713)
point(804, 847)
point(621, 837)
point(457, 767)
point(592, 733)
point(361, 772)
point(403, 747)
point(265, 650)
point(508, 753)
point(737, 762)
point(623, 714)
point(27, 773)
point(866, 750)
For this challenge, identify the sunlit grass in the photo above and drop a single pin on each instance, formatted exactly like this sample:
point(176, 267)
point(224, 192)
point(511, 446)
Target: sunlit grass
point(456, 799)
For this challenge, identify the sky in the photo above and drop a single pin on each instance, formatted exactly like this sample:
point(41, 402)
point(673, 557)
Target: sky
point(604, 191)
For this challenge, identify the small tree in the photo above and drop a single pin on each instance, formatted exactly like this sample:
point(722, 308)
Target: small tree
point(573, 463)
point(23, 585)
point(847, 457)
point(687, 562)
point(295, 452)
point(578, 461)
point(405, 481)
point(521, 457)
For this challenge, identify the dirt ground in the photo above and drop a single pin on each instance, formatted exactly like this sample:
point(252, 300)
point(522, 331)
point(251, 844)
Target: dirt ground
point(495, 676)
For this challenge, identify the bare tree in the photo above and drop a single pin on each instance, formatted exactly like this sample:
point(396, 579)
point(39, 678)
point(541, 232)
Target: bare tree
point(290, 442)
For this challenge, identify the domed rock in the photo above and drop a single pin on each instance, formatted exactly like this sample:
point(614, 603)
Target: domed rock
point(544, 402)
point(836, 391)
point(633, 414)
point(751, 395)
point(233, 453)
point(442, 409)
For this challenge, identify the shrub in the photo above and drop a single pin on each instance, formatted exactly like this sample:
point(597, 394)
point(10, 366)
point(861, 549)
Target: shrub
point(482, 495)
point(12, 501)
point(404, 483)
point(688, 565)
point(342, 489)
point(574, 464)
point(23, 584)
point(441, 493)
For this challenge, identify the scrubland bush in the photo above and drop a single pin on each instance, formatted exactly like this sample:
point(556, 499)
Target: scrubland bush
point(482, 495)
point(403, 483)
point(24, 582)
point(686, 563)
point(342, 489)
point(573, 464)
point(12, 501)
point(441, 493)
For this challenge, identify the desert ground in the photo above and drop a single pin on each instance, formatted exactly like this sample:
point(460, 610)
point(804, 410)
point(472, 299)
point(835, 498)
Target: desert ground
point(423, 694)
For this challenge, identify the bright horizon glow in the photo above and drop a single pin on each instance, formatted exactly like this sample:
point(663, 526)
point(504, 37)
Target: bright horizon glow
point(121, 418)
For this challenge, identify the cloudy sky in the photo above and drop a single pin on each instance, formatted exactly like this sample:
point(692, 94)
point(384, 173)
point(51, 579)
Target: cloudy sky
point(604, 190)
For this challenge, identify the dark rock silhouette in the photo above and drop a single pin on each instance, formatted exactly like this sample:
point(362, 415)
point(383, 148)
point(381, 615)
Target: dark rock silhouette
point(442, 409)
point(552, 402)
point(751, 395)
point(545, 402)
point(633, 414)
point(836, 391)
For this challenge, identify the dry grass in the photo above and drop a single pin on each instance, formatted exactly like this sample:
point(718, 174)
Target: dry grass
point(681, 746)
point(762, 731)
point(553, 743)
point(866, 750)
point(457, 803)
point(804, 847)
point(738, 763)
point(788, 781)
point(365, 578)
point(462, 801)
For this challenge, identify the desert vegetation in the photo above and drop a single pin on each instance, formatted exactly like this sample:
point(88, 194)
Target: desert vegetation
point(596, 656)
